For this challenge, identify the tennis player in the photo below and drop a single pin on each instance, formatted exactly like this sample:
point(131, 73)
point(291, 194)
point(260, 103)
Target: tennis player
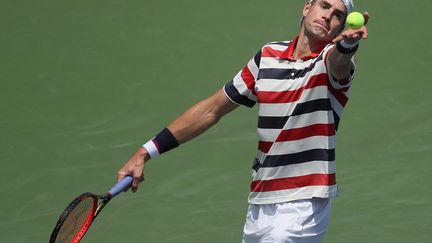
point(301, 87)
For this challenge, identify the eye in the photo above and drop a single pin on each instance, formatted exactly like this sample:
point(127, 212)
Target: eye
point(340, 15)
point(325, 5)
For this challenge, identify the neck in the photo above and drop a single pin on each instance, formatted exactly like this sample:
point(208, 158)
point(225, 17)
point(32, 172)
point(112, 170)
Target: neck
point(306, 45)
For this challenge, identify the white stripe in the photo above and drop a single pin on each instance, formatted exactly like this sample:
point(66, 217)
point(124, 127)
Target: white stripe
point(292, 194)
point(151, 149)
point(296, 146)
point(282, 109)
point(272, 62)
point(253, 68)
point(303, 120)
point(280, 85)
point(347, 93)
point(260, 155)
point(268, 135)
point(313, 167)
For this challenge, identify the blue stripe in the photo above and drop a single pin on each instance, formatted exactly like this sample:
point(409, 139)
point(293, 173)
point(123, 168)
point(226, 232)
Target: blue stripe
point(238, 98)
point(278, 122)
point(301, 157)
point(284, 74)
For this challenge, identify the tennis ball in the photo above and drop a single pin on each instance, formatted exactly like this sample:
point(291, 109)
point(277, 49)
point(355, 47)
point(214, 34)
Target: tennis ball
point(355, 20)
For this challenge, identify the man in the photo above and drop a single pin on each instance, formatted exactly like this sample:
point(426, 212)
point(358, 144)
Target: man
point(301, 87)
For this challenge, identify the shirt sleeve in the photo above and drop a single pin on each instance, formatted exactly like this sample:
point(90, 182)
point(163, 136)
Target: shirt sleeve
point(333, 81)
point(241, 89)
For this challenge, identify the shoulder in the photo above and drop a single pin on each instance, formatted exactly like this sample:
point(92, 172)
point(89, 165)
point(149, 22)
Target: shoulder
point(278, 44)
point(274, 48)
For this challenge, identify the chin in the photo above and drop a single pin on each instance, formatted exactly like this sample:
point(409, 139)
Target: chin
point(322, 35)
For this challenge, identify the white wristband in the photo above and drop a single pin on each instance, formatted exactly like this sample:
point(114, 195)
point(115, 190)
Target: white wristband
point(348, 45)
point(151, 149)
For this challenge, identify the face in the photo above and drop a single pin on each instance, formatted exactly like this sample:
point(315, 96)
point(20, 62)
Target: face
point(324, 19)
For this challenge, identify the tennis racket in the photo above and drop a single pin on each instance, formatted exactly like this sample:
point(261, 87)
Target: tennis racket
point(76, 219)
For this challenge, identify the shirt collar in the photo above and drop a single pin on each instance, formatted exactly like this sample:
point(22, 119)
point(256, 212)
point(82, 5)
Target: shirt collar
point(288, 53)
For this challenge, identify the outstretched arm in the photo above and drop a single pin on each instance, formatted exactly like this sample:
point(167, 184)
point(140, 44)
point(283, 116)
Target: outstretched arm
point(201, 117)
point(339, 63)
point(187, 126)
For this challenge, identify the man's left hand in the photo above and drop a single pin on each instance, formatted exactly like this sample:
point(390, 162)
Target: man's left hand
point(351, 36)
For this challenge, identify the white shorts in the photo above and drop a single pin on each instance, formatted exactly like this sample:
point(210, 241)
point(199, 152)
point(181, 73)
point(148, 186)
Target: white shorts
point(300, 221)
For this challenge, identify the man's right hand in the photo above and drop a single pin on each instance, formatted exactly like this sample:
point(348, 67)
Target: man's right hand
point(134, 167)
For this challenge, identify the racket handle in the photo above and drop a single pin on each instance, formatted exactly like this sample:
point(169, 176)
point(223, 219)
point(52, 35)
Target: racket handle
point(120, 186)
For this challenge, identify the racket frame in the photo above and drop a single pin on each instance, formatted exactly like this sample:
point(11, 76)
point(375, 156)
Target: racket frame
point(95, 211)
point(99, 202)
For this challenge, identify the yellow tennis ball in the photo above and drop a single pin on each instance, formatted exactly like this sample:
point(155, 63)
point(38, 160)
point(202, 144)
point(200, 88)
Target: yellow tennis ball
point(355, 20)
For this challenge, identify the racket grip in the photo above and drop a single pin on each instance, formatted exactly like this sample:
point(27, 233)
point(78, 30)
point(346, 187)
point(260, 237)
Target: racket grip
point(120, 186)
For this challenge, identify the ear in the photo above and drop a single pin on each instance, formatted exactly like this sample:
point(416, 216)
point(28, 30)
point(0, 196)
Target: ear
point(306, 8)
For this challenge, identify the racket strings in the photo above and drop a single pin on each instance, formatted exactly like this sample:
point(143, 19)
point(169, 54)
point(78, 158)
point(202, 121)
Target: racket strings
point(78, 218)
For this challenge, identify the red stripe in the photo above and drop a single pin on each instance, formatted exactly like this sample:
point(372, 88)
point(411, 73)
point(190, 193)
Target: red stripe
point(292, 95)
point(317, 80)
point(279, 97)
point(293, 182)
point(269, 52)
point(264, 146)
point(339, 95)
point(308, 131)
point(249, 79)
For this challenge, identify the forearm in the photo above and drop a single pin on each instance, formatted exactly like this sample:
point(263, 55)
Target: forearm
point(339, 64)
point(339, 58)
point(193, 122)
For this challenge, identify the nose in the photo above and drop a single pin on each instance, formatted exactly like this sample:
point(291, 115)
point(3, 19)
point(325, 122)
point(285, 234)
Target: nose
point(327, 15)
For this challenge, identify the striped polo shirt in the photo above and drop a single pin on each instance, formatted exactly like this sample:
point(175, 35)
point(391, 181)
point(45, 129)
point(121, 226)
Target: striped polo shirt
point(300, 106)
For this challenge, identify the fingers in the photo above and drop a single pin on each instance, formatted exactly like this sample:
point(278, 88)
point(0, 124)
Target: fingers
point(338, 38)
point(352, 35)
point(366, 17)
point(121, 174)
point(347, 35)
point(365, 33)
point(136, 174)
point(134, 167)
point(137, 178)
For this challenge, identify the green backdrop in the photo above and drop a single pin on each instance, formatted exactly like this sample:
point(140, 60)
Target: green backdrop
point(84, 83)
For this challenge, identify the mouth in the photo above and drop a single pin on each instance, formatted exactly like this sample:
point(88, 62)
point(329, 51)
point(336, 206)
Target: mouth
point(322, 26)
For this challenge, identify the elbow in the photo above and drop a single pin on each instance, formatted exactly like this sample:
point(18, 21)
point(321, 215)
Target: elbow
point(212, 118)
